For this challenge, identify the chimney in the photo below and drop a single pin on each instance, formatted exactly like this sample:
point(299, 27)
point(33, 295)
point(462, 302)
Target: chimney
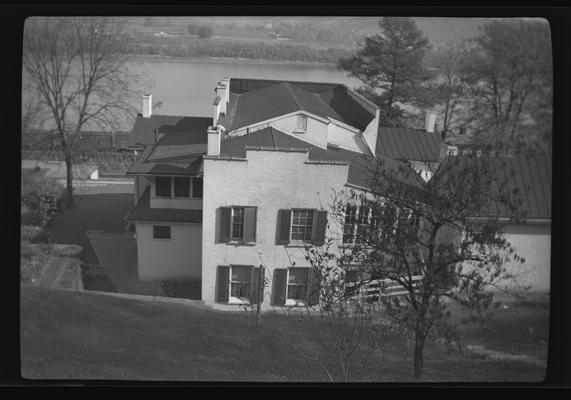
point(221, 92)
point(147, 105)
point(430, 122)
point(216, 111)
point(213, 148)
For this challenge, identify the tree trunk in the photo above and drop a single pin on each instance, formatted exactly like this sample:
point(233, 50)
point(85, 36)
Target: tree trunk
point(69, 181)
point(418, 355)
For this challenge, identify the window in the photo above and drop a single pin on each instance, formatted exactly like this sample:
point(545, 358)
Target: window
point(237, 223)
point(300, 123)
point(301, 224)
point(297, 280)
point(240, 282)
point(163, 186)
point(197, 185)
point(161, 232)
point(356, 223)
point(181, 187)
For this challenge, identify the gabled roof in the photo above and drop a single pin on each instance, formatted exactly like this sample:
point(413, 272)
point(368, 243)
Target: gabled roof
point(255, 100)
point(359, 164)
point(531, 176)
point(408, 144)
point(186, 129)
point(143, 212)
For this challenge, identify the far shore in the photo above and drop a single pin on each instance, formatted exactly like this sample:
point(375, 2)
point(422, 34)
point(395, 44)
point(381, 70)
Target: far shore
point(139, 57)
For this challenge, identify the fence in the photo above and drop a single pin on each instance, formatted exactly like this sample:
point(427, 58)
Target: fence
point(108, 162)
point(375, 289)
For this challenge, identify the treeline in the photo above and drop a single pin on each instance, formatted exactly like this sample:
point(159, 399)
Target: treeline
point(253, 50)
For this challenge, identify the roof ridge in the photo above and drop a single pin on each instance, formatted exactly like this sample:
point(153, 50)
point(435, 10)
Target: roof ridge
point(287, 85)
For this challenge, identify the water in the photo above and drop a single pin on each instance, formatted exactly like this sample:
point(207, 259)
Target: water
point(186, 87)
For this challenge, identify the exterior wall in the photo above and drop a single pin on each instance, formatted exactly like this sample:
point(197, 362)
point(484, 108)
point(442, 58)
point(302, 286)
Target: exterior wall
point(316, 132)
point(533, 243)
point(141, 184)
point(185, 203)
point(347, 139)
point(176, 258)
point(270, 181)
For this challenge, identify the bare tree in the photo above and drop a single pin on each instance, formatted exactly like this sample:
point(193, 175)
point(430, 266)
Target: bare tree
point(77, 66)
point(437, 242)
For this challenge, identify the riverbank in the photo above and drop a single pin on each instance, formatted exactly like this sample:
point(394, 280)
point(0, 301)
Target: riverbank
point(228, 60)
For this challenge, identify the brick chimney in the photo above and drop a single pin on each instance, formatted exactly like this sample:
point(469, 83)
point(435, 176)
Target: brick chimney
point(147, 105)
point(430, 121)
point(214, 136)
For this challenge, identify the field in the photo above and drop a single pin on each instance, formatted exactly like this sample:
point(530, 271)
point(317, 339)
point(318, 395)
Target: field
point(83, 335)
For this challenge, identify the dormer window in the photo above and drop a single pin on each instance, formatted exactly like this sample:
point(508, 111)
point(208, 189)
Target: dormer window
point(300, 123)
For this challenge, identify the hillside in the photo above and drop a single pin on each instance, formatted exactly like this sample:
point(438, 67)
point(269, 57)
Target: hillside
point(83, 335)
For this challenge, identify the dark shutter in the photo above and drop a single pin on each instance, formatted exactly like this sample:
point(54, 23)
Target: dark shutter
point(225, 223)
point(249, 224)
point(284, 222)
point(279, 287)
point(222, 284)
point(257, 285)
point(319, 227)
point(313, 287)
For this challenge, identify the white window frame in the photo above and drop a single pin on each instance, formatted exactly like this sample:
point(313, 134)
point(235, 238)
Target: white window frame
point(300, 117)
point(293, 210)
point(239, 300)
point(357, 223)
point(232, 238)
point(296, 302)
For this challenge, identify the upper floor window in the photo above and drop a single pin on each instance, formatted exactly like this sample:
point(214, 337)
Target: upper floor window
point(163, 186)
point(178, 186)
point(357, 220)
point(300, 123)
point(181, 187)
point(238, 224)
point(301, 225)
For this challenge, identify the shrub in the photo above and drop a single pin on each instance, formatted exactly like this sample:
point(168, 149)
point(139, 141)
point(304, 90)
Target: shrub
point(44, 197)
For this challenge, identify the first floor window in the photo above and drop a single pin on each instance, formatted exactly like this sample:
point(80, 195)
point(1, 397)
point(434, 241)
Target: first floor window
point(356, 223)
point(161, 232)
point(163, 186)
point(240, 282)
point(297, 280)
point(301, 224)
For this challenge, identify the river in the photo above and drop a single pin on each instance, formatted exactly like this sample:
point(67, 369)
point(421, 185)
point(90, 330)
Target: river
point(186, 86)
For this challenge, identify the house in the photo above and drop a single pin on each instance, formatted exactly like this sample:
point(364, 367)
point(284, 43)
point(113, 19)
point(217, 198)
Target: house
point(530, 236)
point(217, 197)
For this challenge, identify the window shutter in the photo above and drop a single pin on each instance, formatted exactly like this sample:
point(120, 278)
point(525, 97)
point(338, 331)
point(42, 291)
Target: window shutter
point(222, 284)
point(250, 224)
point(284, 222)
point(256, 272)
point(313, 287)
point(279, 287)
point(319, 227)
point(225, 223)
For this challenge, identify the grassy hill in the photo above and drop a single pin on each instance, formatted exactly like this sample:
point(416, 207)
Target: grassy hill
point(83, 335)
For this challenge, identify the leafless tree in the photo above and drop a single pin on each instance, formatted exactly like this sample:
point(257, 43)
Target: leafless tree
point(78, 68)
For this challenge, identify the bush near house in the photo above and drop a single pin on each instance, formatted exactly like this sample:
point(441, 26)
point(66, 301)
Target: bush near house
point(187, 289)
point(42, 196)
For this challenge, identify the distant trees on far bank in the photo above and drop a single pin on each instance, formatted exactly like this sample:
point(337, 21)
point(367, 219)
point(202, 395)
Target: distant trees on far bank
point(202, 31)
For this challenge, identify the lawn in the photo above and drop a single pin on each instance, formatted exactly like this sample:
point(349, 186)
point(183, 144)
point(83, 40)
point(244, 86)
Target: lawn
point(83, 335)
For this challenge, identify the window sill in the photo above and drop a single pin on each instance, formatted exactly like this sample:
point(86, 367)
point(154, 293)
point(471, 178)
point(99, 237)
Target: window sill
point(300, 131)
point(239, 243)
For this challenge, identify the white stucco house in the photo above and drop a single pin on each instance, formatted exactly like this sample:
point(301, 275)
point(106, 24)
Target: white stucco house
point(217, 197)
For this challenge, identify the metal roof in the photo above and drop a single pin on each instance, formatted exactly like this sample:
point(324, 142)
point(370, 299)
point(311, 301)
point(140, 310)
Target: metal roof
point(143, 212)
point(180, 129)
point(409, 144)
